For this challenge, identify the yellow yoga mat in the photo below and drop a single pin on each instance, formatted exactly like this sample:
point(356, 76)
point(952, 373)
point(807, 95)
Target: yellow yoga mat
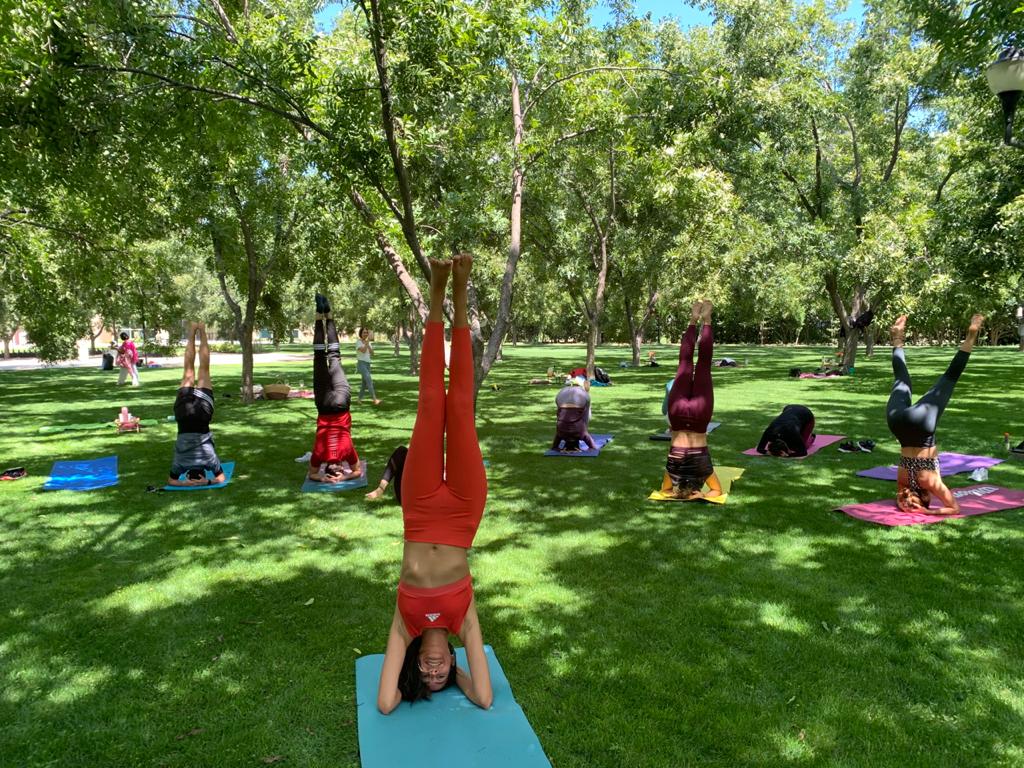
point(726, 476)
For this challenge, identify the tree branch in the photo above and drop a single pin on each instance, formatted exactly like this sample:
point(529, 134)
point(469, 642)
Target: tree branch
point(225, 21)
point(587, 71)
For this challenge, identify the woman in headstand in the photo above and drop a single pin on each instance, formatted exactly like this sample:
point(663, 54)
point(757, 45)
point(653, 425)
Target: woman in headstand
point(690, 404)
point(194, 451)
point(331, 393)
point(572, 425)
point(791, 433)
point(918, 476)
point(392, 475)
point(441, 515)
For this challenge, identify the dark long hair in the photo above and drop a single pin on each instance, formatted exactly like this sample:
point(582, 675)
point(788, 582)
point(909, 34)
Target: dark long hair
point(778, 447)
point(410, 684)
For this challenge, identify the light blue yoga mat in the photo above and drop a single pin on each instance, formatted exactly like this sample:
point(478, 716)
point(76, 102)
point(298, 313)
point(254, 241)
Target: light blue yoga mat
point(312, 486)
point(82, 475)
point(228, 467)
point(600, 441)
point(448, 731)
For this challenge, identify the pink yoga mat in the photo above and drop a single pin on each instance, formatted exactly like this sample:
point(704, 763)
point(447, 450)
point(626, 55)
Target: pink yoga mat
point(974, 500)
point(820, 442)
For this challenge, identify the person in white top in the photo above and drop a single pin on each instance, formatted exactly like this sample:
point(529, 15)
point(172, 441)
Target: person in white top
point(364, 354)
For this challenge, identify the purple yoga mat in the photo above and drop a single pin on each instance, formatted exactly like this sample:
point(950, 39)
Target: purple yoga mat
point(974, 500)
point(949, 464)
point(820, 442)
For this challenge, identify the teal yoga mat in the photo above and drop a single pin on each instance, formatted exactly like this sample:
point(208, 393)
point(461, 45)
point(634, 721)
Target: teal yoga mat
point(449, 731)
point(227, 466)
point(312, 486)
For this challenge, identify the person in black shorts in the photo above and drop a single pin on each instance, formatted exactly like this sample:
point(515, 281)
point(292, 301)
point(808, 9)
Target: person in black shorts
point(194, 450)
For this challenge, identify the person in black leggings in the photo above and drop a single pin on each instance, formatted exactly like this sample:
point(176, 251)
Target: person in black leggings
point(791, 433)
point(392, 475)
point(914, 425)
point(332, 446)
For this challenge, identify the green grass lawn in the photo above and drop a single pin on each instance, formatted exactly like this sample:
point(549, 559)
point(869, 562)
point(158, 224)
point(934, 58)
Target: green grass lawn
point(221, 628)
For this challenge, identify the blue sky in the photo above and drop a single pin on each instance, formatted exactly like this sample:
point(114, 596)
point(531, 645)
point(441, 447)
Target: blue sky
point(687, 15)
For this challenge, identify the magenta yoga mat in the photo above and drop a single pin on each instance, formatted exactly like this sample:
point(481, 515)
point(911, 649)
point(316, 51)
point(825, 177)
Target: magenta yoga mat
point(821, 441)
point(974, 500)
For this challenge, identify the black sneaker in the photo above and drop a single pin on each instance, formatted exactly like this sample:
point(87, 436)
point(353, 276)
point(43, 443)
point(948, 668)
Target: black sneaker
point(323, 306)
point(866, 445)
point(849, 447)
point(1019, 448)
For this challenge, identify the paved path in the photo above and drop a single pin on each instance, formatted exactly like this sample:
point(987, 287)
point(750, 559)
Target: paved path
point(216, 358)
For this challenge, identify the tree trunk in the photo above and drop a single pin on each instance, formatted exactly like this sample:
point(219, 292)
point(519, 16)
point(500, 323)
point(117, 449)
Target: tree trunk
point(869, 343)
point(7, 346)
point(414, 349)
point(845, 318)
point(1020, 333)
point(247, 363)
point(634, 330)
point(398, 339)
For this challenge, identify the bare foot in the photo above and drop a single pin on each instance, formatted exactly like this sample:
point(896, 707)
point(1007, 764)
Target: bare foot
point(972, 332)
point(705, 312)
point(898, 332)
point(439, 272)
point(376, 402)
point(695, 312)
point(461, 265)
point(376, 493)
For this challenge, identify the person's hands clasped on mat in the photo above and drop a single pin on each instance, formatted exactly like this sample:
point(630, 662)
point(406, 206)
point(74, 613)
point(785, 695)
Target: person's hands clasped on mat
point(195, 456)
point(441, 513)
point(332, 446)
point(691, 401)
point(914, 425)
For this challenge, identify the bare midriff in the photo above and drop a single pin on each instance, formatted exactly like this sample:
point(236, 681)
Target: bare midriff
point(683, 439)
point(433, 565)
point(920, 453)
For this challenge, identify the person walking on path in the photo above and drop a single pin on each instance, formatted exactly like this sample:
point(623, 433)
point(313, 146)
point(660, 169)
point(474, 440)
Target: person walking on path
point(364, 354)
point(127, 360)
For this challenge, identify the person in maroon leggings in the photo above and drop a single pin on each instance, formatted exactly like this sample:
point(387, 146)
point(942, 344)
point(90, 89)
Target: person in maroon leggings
point(444, 488)
point(691, 401)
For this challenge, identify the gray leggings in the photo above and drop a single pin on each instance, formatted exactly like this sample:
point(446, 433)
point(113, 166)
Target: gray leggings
point(367, 384)
point(914, 425)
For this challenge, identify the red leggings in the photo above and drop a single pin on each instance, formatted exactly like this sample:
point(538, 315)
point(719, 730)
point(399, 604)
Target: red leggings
point(691, 400)
point(437, 509)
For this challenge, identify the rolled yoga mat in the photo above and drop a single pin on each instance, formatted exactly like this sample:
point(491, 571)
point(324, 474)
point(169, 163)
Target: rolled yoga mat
point(821, 441)
point(667, 434)
point(600, 441)
point(228, 468)
point(449, 731)
point(974, 500)
point(312, 486)
point(949, 464)
point(726, 476)
point(82, 475)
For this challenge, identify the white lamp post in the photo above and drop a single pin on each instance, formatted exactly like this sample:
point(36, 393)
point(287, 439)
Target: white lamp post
point(1006, 79)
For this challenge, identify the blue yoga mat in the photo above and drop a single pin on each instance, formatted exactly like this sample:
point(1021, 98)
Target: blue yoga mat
point(449, 730)
point(312, 486)
point(227, 466)
point(84, 475)
point(599, 440)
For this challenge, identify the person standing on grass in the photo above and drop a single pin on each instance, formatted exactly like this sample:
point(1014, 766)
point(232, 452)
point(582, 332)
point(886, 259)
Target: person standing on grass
point(441, 511)
point(691, 401)
point(364, 355)
point(332, 446)
point(194, 451)
point(127, 360)
point(918, 475)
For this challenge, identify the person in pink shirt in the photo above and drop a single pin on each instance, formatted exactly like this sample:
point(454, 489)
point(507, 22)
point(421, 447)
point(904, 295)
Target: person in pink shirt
point(128, 359)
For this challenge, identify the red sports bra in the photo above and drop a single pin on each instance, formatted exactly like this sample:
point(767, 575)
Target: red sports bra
point(427, 608)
